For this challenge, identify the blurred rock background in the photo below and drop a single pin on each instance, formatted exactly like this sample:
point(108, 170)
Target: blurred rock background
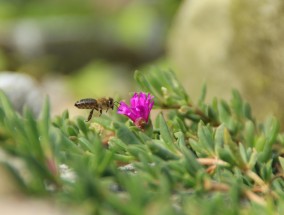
point(235, 43)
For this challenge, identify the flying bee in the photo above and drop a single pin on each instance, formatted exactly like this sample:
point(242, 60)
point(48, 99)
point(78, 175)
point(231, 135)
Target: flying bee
point(96, 104)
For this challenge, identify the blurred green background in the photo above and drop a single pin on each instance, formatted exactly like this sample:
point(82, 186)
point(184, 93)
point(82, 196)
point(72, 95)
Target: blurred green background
point(76, 49)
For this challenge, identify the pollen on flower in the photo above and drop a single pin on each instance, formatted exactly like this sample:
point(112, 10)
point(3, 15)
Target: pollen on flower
point(139, 109)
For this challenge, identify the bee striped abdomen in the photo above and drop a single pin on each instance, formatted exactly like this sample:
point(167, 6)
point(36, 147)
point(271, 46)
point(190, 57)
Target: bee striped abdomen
point(87, 104)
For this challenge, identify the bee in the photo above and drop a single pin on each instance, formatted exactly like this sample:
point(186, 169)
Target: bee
point(96, 104)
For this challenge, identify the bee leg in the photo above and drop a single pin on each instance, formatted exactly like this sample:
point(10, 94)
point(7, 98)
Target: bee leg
point(101, 111)
point(90, 115)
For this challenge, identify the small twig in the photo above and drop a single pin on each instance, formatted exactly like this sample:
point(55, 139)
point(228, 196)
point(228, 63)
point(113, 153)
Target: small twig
point(214, 186)
point(259, 189)
point(211, 169)
point(166, 107)
point(263, 187)
point(279, 175)
point(255, 178)
point(212, 161)
point(255, 198)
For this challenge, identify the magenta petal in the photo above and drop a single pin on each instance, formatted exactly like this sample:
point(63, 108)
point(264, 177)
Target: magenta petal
point(123, 108)
point(134, 100)
point(140, 106)
point(143, 98)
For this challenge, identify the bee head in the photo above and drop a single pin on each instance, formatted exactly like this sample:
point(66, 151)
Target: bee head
point(110, 103)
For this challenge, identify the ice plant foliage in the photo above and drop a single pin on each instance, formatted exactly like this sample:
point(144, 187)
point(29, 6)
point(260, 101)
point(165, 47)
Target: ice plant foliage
point(139, 109)
point(191, 155)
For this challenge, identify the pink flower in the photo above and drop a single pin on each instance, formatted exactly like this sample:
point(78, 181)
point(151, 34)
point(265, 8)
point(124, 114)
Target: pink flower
point(139, 109)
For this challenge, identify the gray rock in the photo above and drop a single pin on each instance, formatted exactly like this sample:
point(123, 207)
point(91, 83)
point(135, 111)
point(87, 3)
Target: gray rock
point(21, 90)
point(232, 44)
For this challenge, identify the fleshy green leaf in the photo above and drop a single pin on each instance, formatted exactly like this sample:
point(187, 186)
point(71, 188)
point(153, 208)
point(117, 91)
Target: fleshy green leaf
point(161, 151)
point(166, 135)
point(205, 137)
point(125, 134)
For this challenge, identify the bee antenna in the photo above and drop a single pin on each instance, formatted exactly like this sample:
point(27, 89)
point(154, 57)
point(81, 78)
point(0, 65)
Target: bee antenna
point(116, 103)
